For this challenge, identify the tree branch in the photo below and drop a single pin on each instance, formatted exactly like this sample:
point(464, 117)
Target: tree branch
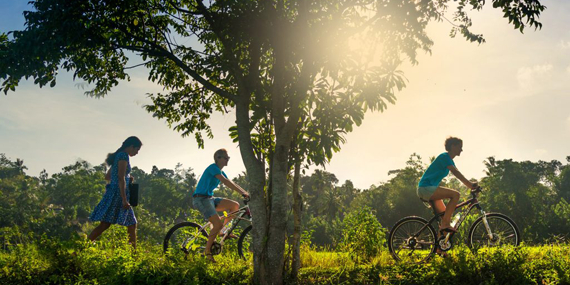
point(183, 10)
point(226, 45)
point(159, 50)
point(137, 65)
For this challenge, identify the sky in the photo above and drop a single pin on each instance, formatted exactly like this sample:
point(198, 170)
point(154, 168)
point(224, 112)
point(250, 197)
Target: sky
point(507, 98)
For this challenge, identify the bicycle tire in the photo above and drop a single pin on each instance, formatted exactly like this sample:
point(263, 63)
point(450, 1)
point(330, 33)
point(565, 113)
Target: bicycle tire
point(401, 237)
point(182, 231)
point(503, 228)
point(244, 237)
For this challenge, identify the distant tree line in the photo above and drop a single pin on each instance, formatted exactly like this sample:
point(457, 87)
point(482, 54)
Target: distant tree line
point(534, 194)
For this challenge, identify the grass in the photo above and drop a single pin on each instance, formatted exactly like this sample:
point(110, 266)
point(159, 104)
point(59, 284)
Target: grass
point(113, 262)
point(509, 265)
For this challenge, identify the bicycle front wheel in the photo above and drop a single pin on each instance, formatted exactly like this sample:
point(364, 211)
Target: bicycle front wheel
point(185, 238)
point(413, 240)
point(245, 243)
point(503, 231)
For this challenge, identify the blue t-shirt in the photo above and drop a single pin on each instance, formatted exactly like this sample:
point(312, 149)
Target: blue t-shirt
point(208, 182)
point(436, 171)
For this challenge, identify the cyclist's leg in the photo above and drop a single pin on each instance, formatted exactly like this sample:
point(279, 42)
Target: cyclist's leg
point(216, 227)
point(446, 193)
point(227, 205)
point(206, 206)
point(438, 206)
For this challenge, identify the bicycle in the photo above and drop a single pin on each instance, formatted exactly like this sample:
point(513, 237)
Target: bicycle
point(414, 239)
point(190, 238)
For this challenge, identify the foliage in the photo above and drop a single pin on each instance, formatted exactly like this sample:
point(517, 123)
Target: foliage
point(58, 205)
point(526, 191)
point(362, 236)
point(522, 265)
point(323, 232)
point(112, 261)
point(44, 243)
point(397, 197)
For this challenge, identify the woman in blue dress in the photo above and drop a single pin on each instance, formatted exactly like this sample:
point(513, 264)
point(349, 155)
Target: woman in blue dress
point(114, 207)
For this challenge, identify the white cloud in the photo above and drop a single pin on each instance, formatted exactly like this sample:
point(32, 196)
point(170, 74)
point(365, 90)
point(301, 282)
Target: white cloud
point(532, 78)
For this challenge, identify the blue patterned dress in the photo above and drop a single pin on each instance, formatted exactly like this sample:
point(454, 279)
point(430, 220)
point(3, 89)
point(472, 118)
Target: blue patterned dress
point(110, 208)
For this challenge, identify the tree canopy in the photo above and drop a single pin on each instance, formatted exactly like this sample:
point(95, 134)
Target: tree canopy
point(299, 74)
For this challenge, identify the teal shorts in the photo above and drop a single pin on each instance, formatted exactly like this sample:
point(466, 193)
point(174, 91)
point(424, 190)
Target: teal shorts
point(425, 193)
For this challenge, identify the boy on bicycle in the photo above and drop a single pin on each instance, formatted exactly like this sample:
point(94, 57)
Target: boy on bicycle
point(429, 189)
point(208, 205)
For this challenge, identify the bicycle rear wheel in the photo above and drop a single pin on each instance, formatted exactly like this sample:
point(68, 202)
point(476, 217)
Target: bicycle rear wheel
point(503, 232)
point(244, 244)
point(412, 239)
point(185, 238)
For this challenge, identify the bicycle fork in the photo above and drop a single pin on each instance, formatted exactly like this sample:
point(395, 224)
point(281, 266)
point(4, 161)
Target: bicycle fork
point(486, 223)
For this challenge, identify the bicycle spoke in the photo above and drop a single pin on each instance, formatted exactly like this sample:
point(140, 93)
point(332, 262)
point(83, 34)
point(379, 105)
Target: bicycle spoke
point(185, 238)
point(412, 241)
point(503, 232)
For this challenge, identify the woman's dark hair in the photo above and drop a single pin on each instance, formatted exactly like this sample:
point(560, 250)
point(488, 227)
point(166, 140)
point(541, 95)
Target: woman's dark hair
point(130, 141)
point(452, 141)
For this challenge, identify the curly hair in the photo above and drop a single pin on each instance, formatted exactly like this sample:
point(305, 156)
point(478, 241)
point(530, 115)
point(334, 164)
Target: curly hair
point(452, 141)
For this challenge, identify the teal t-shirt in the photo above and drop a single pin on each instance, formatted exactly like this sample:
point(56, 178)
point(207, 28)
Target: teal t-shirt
point(208, 182)
point(436, 171)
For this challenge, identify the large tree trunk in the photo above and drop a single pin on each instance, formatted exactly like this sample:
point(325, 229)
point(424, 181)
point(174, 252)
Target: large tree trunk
point(268, 204)
point(268, 267)
point(297, 214)
point(258, 204)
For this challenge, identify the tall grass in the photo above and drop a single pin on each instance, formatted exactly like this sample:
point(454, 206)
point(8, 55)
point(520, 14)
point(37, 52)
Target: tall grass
point(507, 265)
point(112, 261)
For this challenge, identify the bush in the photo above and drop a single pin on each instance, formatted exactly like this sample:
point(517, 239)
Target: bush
point(362, 236)
point(324, 234)
point(112, 261)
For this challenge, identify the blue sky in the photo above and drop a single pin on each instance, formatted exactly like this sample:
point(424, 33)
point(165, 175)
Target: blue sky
point(506, 98)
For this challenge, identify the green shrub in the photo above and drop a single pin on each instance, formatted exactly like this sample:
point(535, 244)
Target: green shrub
point(324, 234)
point(111, 260)
point(362, 236)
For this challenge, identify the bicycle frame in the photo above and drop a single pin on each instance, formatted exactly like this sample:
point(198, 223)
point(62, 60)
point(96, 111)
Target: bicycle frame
point(473, 202)
point(242, 214)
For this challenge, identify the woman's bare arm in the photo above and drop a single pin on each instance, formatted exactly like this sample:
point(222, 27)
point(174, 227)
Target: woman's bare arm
point(122, 170)
point(108, 175)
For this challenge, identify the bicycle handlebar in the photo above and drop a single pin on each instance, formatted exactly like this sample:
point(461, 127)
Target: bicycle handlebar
point(478, 189)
